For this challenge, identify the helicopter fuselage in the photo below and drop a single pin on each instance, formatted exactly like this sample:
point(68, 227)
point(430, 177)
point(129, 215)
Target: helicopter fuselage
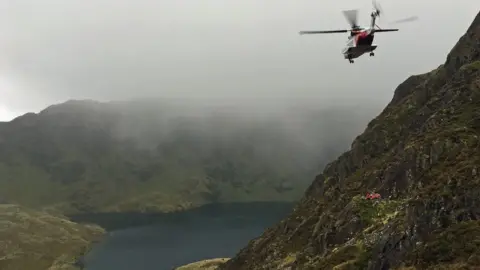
point(359, 43)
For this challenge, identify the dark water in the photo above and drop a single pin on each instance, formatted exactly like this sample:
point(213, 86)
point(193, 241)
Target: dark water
point(171, 240)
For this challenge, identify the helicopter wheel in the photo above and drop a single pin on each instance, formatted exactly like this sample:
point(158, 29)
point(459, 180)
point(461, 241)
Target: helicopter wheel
point(372, 54)
point(351, 61)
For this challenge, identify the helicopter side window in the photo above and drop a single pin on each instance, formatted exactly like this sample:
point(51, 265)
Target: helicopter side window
point(350, 42)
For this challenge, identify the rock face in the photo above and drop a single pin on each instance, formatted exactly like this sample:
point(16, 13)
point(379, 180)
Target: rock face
point(422, 154)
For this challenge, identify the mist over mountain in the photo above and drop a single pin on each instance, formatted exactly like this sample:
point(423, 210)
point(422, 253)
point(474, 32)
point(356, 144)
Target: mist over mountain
point(168, 155)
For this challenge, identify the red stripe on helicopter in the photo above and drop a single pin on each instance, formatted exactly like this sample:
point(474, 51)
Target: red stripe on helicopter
point(360, 35)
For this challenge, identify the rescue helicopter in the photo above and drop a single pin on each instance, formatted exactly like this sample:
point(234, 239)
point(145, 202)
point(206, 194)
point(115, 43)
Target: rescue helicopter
point(360, 40)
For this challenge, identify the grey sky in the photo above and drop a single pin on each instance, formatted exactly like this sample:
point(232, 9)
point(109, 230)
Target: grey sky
point(54, 50)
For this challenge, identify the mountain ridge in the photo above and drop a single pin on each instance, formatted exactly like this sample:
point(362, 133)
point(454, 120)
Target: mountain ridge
point(421, 154)
point(90, 156)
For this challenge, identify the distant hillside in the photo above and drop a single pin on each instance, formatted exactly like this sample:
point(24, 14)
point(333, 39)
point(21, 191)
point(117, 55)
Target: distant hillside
point(422, 155)
point(88, 156)
point(35, 240)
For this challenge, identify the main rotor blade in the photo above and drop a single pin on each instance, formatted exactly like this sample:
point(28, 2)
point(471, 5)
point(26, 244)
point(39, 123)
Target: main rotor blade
point(351, 16)
point(385, 30)
point(409, 19)
point(323, 32)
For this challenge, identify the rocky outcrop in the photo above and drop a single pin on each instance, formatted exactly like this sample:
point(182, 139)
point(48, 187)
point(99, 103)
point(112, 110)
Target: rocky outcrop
point(422, 155)
point(211, 264)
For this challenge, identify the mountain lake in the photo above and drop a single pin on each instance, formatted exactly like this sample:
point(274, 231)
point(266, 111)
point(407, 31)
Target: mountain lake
point(165, 241)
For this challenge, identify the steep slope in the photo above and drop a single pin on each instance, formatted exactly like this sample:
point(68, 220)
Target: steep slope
point(422, 155)
point(87, 156)
point(35, 240)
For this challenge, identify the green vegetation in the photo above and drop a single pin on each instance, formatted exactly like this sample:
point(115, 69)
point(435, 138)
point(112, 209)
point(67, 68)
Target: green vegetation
point(35, 240)
point(375, 211)
point(474, 66)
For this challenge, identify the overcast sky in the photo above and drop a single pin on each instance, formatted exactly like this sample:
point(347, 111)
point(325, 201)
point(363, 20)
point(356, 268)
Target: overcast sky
point(55, 50)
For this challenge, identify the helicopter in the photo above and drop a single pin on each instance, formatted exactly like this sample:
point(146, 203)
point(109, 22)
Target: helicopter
point(360, 40)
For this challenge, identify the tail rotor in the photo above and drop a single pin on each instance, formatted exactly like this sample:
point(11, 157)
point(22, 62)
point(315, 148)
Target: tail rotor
point(378, 12)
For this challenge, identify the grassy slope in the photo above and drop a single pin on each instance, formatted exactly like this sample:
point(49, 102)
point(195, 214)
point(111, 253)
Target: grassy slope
point(35, 240)
point(422, 154)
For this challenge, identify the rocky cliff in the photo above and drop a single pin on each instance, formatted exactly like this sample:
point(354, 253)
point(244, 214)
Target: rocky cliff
point(422, 154)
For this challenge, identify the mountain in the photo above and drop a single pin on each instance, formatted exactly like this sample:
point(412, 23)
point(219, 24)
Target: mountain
point(421, 154)
point(26, 235)
point(157, 155)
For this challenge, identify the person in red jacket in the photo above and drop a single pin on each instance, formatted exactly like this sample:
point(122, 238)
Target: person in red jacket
point(371, 196)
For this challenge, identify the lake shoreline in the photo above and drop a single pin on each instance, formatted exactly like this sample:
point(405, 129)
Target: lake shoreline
point(80, 260)
point(113, 221)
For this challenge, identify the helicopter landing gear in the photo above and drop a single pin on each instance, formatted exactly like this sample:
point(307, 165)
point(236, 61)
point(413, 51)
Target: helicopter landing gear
point(372, 54)
point(350, 60)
